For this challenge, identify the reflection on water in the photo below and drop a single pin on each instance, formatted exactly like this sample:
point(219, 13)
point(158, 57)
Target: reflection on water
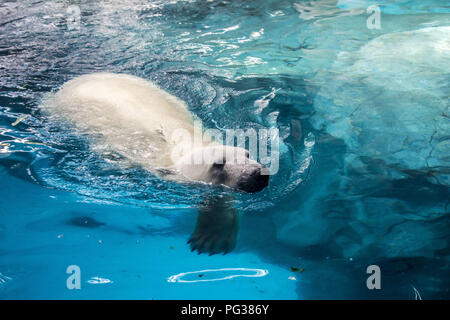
point(217, 274)
point(98, 280)
point(4, 278)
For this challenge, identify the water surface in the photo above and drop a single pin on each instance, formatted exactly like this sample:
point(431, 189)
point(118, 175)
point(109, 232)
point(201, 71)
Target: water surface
point(364, 163)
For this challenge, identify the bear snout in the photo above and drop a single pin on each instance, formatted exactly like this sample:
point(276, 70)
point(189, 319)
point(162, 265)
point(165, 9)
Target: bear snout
point(255, 182)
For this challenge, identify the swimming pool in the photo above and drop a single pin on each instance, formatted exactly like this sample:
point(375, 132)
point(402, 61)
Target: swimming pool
point(358, 89)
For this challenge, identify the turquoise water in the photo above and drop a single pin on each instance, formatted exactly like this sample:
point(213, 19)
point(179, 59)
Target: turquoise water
point(364, 164)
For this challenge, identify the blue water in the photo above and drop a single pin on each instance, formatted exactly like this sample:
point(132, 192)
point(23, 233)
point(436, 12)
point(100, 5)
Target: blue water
point(364, 165)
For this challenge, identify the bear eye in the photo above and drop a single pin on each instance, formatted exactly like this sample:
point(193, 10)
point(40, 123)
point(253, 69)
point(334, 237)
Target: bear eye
point(247, 154)
point(219, 165)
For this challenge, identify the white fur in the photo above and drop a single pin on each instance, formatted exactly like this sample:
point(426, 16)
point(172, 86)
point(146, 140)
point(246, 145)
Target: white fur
point(136, 119)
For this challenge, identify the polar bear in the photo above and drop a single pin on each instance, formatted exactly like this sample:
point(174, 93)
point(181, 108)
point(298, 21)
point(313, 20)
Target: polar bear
point(139, 121)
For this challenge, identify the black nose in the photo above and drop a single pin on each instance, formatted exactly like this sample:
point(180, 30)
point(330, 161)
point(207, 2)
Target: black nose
point(255, 182)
